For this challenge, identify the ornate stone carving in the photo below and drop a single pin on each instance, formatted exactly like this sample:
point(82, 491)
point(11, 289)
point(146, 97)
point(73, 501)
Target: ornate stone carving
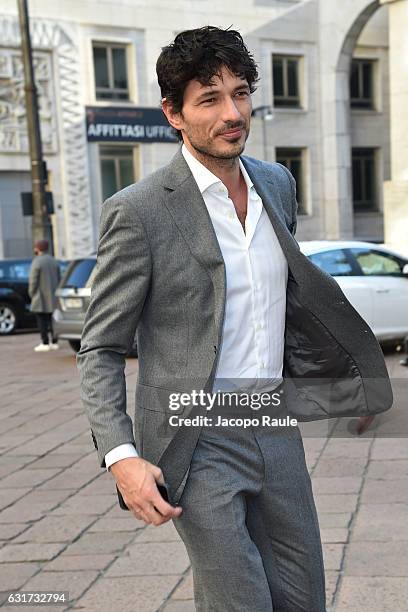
point(13, 120)
point(51, 41)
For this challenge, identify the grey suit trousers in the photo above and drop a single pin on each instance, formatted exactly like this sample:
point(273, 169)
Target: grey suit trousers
point(249, 522)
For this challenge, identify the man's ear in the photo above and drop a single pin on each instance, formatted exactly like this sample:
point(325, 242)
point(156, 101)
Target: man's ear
point(173, 118)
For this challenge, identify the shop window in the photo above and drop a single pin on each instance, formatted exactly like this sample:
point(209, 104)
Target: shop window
point(117, 169)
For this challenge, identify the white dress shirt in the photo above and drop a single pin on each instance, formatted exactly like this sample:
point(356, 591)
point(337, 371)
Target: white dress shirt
point(251, 351)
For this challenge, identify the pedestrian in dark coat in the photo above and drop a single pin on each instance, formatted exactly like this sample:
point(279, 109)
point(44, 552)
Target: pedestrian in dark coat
point(44, 278)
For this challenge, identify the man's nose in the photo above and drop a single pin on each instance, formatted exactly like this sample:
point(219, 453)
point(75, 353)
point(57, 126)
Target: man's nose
point(230, 111)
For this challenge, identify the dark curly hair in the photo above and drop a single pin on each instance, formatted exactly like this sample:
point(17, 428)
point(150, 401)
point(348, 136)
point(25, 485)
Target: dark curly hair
point(200, 54)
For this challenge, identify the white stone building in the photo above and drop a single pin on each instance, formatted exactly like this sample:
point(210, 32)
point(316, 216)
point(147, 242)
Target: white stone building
point(335, 131)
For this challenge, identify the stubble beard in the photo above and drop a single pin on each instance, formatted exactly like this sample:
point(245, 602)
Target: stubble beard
point(209, 153)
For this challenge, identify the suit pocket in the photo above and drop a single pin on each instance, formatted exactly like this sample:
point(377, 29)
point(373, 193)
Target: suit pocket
point(158, 399)
point(156, 433)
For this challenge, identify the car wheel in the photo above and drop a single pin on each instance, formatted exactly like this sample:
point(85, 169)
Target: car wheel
point(75, 345)
point(8, 319)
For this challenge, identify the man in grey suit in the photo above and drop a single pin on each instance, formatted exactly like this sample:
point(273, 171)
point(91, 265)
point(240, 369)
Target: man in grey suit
point(201, 259)
point(44, 278)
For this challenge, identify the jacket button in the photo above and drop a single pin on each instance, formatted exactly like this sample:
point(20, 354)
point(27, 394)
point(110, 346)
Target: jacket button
point(215, 349)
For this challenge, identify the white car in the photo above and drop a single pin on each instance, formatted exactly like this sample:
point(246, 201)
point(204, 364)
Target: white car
point(374, 279)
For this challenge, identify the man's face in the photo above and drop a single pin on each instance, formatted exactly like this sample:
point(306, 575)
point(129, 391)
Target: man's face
point(215, 119)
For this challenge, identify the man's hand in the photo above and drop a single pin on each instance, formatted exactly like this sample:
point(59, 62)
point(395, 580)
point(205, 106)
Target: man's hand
point(136, 479)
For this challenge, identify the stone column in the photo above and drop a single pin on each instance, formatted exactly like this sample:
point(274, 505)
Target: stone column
point(396, 190)
point(340, 25)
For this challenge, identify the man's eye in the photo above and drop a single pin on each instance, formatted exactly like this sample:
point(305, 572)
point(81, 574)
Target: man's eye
point(242, 93)
point(208, 100)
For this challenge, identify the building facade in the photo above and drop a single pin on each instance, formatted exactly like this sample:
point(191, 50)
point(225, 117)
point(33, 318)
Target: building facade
point(322, 108)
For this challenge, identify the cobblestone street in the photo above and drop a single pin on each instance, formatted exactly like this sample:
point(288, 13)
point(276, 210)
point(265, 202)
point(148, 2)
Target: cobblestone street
point(61, 527)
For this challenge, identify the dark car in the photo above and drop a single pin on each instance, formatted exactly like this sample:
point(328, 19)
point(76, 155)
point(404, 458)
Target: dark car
point(15, 302)
point(73, 296)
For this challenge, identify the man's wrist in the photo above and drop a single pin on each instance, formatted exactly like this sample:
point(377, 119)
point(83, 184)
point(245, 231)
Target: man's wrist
point(123, 451)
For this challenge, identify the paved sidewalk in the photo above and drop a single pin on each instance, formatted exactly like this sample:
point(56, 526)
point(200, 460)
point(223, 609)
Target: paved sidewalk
point(61, 527)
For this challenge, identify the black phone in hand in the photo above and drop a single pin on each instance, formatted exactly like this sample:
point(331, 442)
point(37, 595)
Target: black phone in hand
point(163, 490)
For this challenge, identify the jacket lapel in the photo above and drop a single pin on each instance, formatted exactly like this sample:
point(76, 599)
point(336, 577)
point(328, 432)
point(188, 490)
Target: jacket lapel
point(271, 197)
point(187, 207)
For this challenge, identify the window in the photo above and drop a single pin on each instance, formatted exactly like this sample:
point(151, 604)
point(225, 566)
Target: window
point(333, 262)
point(111, 81)
point(117, 169)
point(79, 273)
point(362, 84)
point(63, 265)
point(364, 180)
point(374, 263)
point(18, 271)
point(293, 160)
point(285, 71)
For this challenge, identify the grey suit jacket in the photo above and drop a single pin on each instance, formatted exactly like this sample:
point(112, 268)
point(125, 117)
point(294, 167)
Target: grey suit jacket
point(43, 281)
point(160, 270)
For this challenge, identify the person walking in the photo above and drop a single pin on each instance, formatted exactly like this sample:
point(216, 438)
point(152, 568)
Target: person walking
point(200, 257)
point(44, 278)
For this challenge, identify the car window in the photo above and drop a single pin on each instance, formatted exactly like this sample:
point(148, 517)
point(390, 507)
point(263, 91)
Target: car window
point(78, 273)
point(333, 262)
point(374, 263)
point(63, 265)
point(19, 270)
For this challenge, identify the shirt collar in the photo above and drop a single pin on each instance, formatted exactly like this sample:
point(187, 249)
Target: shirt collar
point(203, 177)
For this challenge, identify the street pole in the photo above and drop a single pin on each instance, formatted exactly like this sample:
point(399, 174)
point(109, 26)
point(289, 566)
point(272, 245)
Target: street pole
point(264, 137)
point(265, 113)
point(41, 223)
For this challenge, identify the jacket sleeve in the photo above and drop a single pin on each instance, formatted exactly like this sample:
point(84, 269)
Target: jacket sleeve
point(118, 293)
point(34, 278)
